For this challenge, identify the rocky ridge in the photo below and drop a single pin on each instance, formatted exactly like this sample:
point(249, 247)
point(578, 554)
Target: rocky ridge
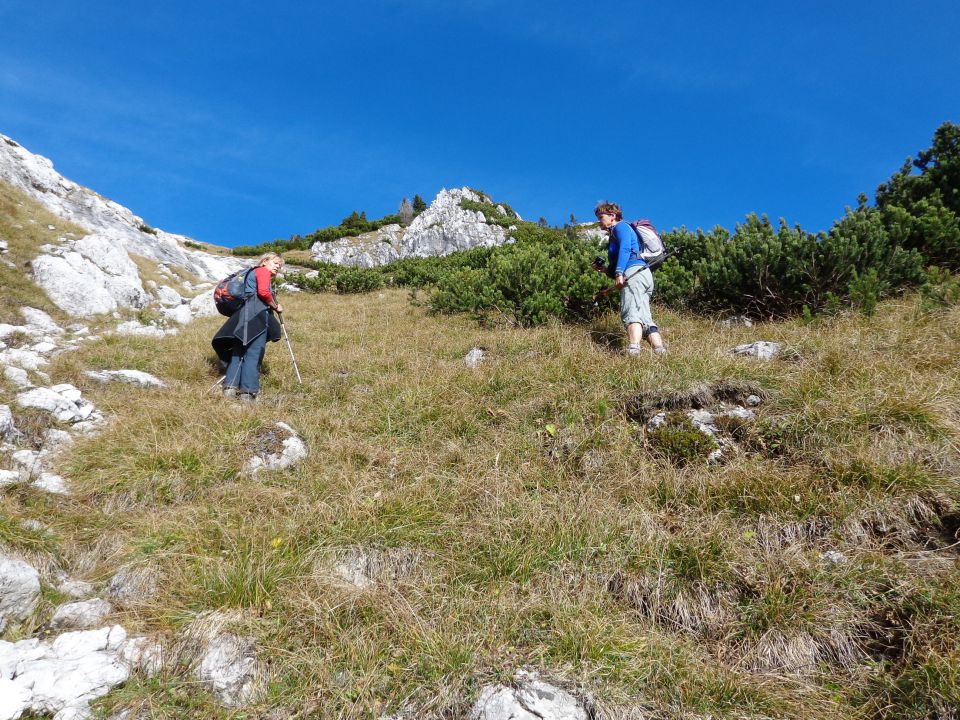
point(443, 228)
point(101, 271)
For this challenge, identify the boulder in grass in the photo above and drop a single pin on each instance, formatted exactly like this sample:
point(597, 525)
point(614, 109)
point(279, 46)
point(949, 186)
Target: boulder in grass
point(530, 699)
point(19, 589)
point(762, 349)
point(133, 377)
point(83, 615)
point(277, 447)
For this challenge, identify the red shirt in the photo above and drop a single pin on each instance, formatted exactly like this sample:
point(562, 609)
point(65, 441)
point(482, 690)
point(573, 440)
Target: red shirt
point(263, 285)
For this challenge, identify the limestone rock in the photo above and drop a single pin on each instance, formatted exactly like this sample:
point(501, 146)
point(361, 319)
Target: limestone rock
point(18, 377)
point(51, 483)
point(133, 377)
point(82, 615)
point(531, 699)
point(228, 667)
point(24, 359)
point(441, 229)
point(474, 357)
point(64, 402)
point(8, 430)
point(180, 314)
point(294, 450)
point(40, 321)
point(762, 349)
point(132, 327)
point(65, 674)
point(19, 589)
point(134, 585)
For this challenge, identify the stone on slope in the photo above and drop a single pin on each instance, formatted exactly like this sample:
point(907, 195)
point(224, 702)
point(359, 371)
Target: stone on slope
point(8, 430)
point(474, 357)
point(293, 450)
point(82, 615)
point(133, 585)
point(531, 699)
point(19, 589)
point(228, 667)
point(71, 670)
point(762, 349)
point(133, 377)
point(17, 376)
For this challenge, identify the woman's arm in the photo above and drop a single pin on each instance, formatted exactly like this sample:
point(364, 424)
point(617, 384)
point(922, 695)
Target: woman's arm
point(263, 286)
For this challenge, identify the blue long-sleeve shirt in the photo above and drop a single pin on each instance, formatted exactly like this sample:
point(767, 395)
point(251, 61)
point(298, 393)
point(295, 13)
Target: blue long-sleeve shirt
point(624, 249)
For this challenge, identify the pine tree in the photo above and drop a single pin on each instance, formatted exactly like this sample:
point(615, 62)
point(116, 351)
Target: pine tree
point(406, 212)
point(418, 205)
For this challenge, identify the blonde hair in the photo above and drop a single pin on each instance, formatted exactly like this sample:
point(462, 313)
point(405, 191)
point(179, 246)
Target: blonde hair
point(268, 256)
point(605, 207)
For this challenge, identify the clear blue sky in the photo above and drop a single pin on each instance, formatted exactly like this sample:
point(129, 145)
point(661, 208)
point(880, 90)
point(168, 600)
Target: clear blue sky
point(241, 122)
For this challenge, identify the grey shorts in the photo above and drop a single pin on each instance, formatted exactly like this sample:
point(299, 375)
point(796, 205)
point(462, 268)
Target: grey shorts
point(635, 298)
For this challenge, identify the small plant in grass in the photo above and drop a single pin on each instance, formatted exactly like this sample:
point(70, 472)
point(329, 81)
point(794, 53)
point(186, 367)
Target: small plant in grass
point(193, 245)
point(143, 227)
point(679, 441)
point(941, 289)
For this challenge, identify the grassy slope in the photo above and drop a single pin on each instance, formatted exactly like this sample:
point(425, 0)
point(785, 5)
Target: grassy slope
point(577, 551)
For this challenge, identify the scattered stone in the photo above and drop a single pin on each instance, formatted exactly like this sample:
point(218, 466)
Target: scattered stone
point(752, 401)
point(180, 314)
point(228, 667)
point(762, 349)
point(34, 525)
point(64, 402)
point(133, 377)
point(9, 477)
point(363, 568)
point(55, 439)
point(24, 359)
point(133, 585)
point(834, 557)
point(76, 588)
point(83, 615)
point(293, 451)
point(19, 589)
point(168, 296)
point(62, 675)
point(473, 358)
point(133, 327)
point(43, 348)
point(41, 321)
point(27, 462)
point(531, 699)
point(51, 483)
point(737, 321)
point(8, 430)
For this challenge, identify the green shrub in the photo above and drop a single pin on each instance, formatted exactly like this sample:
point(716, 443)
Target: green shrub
point(143, 227)
point(358, 280)
point(544, 274)
point(941, 289)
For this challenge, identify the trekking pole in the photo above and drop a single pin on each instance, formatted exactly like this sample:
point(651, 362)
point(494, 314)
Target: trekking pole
point(290, 348)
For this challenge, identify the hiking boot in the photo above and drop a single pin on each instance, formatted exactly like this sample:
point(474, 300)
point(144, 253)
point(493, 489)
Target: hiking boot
point(247, 397)
point(230, 393)
point(633, 350)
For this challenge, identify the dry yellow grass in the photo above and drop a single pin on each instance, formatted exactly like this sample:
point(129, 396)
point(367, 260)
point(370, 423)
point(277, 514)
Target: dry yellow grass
point(515, 515)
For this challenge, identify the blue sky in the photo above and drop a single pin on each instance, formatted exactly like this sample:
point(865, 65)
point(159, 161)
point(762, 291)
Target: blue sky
point(242, 122)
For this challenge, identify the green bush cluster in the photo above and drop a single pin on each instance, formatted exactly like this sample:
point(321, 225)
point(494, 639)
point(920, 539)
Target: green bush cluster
point(760, 269)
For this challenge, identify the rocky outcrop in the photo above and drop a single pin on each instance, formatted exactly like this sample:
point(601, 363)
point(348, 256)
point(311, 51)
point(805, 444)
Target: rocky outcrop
point(96, 273)
point(441, 229)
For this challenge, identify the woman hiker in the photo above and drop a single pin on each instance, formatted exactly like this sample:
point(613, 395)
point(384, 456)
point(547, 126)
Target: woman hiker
point(242, 340)
point(632, 276)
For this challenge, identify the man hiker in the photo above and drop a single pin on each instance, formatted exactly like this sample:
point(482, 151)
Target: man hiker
point(632, 277)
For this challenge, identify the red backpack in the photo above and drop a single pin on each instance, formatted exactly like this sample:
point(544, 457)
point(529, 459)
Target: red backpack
point(231, 293)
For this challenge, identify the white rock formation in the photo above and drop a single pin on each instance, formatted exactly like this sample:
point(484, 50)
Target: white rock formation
point(95, 273)
point(132, 377)
point(82, 615)
point(8, 430)
point(63, 675)
point(228, 667)
point(19, 589)
point(133, 585)
point(64, 402)
point(441, 229)
point(762, 349)
point(294, 451)
point(531, 699)
point(473, 358)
